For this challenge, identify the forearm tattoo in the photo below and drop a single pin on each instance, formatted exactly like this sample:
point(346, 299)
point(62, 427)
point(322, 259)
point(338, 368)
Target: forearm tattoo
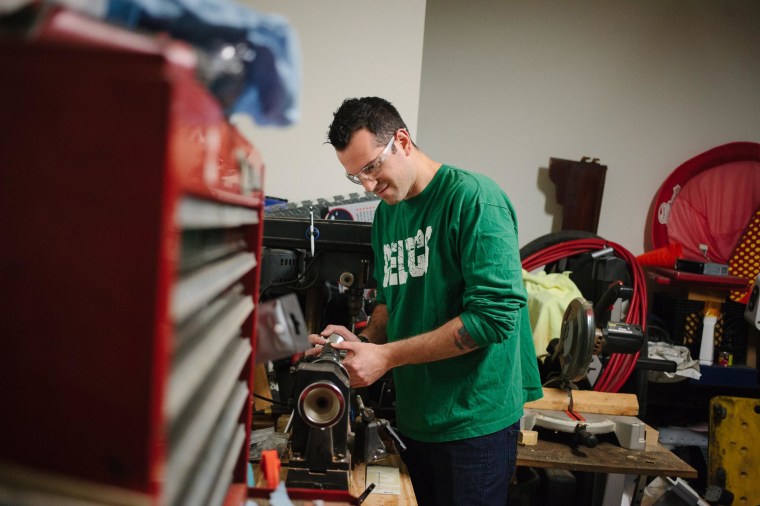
point(464, 341)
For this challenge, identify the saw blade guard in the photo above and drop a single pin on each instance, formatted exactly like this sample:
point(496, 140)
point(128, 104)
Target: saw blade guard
point(577, 342)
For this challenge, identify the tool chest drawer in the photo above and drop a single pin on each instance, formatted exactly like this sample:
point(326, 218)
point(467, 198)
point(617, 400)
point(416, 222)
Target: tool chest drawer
point(131, 219)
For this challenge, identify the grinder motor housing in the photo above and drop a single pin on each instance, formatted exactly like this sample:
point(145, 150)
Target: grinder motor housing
point(321, 423)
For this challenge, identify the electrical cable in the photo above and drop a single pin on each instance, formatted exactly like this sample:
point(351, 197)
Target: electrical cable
point(619, 366)
point(270, 400)
point(291, 282)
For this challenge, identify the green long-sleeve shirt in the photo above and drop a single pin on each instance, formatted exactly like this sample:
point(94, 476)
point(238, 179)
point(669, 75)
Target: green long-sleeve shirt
point(453, 250)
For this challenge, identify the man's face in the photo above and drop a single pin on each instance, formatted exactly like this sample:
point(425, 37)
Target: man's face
point(383, 170)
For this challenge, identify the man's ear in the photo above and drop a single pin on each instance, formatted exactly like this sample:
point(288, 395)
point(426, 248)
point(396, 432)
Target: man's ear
point(405, 139)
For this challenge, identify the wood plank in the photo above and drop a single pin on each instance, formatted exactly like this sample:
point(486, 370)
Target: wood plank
point(588, 401)
point(607, 457)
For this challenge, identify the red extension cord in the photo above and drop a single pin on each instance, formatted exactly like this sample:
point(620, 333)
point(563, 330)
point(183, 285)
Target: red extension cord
point(620, 366)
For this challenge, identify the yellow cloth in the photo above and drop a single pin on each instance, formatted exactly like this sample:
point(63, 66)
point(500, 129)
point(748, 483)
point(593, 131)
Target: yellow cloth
point(548, 297)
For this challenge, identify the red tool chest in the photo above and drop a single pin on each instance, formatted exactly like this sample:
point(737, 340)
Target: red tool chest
point(130, 233)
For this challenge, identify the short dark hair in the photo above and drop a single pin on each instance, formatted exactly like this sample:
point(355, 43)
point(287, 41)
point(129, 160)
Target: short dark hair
point(375, 114)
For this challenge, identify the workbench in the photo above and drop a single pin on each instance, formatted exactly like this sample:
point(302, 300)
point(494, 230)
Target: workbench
point(405, 498)
point(554, 451)
point(607, 457)
point(357, 487)
point(557, 451)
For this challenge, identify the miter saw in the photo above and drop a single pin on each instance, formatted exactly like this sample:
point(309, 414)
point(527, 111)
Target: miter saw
point(579, 341)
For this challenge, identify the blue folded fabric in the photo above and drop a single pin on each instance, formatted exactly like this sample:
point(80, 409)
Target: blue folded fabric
point(252, 61)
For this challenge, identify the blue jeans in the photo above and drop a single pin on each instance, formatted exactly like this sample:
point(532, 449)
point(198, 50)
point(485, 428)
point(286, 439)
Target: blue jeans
point(469, 472)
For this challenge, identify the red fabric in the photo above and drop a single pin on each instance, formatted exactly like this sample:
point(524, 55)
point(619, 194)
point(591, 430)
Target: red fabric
point(668, 192)
point(714, 208)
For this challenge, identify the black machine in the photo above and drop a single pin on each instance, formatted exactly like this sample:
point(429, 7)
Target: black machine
point(319, 442)
point(328, 264)
point(305, 254)
point(331, 429)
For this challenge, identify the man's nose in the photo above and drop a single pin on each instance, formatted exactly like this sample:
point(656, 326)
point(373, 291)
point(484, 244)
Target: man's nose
point(369, 184)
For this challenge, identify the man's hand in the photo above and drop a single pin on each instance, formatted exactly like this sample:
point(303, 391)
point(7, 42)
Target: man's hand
point(365, 362)
point(319, 340)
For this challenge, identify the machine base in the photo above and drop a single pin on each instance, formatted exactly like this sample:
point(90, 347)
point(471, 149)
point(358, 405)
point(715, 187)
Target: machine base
point(629, 430)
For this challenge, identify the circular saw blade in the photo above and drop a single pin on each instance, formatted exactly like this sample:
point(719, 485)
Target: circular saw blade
point(576, 342)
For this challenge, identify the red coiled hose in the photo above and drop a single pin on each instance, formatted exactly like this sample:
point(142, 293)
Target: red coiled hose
point(620, 366)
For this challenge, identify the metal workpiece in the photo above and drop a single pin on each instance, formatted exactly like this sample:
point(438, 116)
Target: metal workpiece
point(330, 354)
point(321, 404)
point(333, 339)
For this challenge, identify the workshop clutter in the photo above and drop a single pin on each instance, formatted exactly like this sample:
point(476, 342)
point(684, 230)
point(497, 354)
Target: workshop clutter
point(665, 256)
point(708, 201)
point(549, 294)
point(683, 320)
point(733, 456)
point(608, 262)
point(745, 260)
point(687, 367)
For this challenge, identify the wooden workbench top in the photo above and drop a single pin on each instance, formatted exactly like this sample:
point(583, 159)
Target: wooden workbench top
point(606, 457)
point(358, 483)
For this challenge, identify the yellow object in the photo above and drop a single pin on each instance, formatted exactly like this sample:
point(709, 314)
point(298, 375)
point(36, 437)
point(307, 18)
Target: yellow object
point(745, 260)
point(548, 297)
point(712, 309)
point(527, 437)
point(734, 447)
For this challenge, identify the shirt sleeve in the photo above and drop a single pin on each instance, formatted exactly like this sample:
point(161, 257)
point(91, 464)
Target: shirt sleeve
point(494, 293)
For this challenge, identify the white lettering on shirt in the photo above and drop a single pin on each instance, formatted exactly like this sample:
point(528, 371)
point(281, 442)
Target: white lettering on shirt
point(395, 269)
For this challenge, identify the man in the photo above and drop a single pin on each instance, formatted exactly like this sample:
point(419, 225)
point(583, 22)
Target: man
point(451, 317)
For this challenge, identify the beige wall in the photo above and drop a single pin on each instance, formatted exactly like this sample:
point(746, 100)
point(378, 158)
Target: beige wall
point(349, 48)
point(499, 87)
point(643, 85)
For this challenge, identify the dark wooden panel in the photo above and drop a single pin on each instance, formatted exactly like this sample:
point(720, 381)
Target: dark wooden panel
point(580, 186)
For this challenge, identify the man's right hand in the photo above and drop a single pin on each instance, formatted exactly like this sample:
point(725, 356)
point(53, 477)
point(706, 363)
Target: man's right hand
point(319, 340)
